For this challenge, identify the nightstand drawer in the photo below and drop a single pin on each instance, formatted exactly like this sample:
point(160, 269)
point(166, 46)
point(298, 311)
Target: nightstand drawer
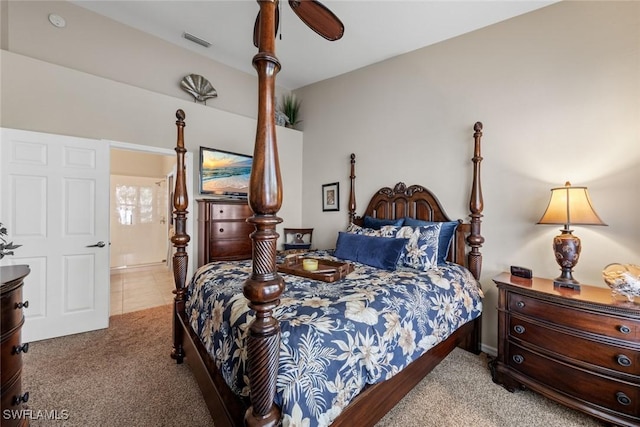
point(595, 323)
point(599, 390)
point(566, 343)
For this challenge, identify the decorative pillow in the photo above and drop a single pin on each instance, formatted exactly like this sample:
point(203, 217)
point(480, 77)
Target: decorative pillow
point(395, 231)
point(421, 251)
point(356, 229)
point(377, 252)
point(446, 235)
point(376, 223)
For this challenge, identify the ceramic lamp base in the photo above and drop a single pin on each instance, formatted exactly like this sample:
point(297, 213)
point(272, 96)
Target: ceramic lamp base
point(566, 247)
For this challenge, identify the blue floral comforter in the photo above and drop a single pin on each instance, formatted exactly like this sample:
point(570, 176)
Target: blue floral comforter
point(336, 337)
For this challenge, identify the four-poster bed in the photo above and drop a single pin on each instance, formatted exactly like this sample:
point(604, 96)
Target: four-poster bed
point(263, 287)
point(190, 342)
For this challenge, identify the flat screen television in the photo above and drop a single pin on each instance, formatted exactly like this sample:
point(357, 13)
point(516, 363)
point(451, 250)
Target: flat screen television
point(223, 173)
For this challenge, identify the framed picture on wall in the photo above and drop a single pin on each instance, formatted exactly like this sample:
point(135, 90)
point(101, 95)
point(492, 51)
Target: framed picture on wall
point(331, 197)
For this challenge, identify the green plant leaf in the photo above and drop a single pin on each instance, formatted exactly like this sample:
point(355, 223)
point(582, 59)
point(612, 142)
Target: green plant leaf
point(291, 108)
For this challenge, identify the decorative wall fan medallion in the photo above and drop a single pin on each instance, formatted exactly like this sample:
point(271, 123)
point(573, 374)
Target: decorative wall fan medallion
point(199, 87)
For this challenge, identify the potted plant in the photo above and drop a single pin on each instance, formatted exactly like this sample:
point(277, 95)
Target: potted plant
point(291, 108)
point(6, 248)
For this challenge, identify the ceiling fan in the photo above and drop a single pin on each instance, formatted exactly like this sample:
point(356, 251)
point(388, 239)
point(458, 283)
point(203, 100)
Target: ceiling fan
point(314, 14)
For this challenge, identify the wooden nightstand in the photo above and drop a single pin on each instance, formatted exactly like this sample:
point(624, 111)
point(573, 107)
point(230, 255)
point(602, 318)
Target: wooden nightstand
point(579, 348)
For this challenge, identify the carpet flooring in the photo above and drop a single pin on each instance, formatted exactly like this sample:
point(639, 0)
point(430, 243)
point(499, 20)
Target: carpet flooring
point(123, 376)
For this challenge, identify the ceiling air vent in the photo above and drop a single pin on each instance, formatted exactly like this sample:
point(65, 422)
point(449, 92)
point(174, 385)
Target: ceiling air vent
point(195, 39)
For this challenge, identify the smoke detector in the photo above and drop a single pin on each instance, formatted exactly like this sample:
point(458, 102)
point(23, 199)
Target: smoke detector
point(57, 20)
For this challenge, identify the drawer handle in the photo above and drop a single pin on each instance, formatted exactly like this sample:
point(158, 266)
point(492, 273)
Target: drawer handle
point(22, 304)
point(623, 399)
point(520, 304)
point(519, 329)
point(623, 360)
point(518, 358)
point(24, 348)
point(221, 211)
point(21, 399)
point(221, 230)
point(624, 329)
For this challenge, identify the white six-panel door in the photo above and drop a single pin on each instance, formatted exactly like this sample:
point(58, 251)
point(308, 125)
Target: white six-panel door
point(55, 203)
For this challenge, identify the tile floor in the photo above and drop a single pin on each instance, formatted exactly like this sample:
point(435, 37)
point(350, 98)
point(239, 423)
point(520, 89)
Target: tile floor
point(138, 288)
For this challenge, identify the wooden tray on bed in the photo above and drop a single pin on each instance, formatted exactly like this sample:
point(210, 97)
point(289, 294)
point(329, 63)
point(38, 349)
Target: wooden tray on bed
point(328, 271)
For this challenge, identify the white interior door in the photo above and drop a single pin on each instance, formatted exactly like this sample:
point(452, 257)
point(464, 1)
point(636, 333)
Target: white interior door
point(55, 203)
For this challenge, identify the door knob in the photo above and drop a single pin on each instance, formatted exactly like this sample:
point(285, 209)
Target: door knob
point(100, 244)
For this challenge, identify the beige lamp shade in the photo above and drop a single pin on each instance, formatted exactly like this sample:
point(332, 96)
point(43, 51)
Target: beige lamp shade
point(570, 205)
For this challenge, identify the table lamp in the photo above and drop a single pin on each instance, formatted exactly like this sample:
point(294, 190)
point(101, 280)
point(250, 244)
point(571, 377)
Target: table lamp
point(569, 205)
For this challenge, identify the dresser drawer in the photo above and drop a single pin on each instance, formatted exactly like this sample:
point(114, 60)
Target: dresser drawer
point(10, 395)
point(599, 390)
point(600, 354)
point(11, 311)
point(230, 230)
point(230, 249)
point(595, 323)
point(10, 361)
point(229, 211)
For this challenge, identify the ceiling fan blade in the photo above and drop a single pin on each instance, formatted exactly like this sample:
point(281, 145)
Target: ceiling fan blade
point(318, 18)
point(256, 27)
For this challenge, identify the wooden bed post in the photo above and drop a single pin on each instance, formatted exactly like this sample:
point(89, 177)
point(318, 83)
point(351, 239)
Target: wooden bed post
point(264, 287)
point(352, 189)
point(476, 205)
point(180, 240)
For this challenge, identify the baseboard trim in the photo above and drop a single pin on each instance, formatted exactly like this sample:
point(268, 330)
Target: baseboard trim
point(491, 351)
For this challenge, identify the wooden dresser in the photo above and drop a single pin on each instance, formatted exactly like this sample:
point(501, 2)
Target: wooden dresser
point(11, 347)
point(577, 347)
point(223, 233)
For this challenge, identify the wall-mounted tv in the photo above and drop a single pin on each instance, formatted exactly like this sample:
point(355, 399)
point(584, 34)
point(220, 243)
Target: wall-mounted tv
point(223, 173)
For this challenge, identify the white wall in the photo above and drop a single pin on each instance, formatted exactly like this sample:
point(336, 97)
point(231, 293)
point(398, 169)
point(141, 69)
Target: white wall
point(70, 102)
point(558, 91)
point(133, 163)
point(103, 47)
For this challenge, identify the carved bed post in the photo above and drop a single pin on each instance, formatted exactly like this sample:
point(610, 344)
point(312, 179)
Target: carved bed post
point(476, 205)
point(352, 189)
point(180, 239)
point(264, 287)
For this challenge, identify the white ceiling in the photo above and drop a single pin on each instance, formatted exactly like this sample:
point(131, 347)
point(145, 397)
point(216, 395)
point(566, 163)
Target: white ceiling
point(374, 29)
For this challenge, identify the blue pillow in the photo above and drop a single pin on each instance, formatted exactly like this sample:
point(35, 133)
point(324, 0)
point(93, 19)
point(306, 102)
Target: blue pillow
point(380, 252)
point(447, 231)
point(376, 223)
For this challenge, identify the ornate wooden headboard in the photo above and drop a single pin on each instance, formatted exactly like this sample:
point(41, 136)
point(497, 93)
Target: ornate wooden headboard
point(416, 201)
